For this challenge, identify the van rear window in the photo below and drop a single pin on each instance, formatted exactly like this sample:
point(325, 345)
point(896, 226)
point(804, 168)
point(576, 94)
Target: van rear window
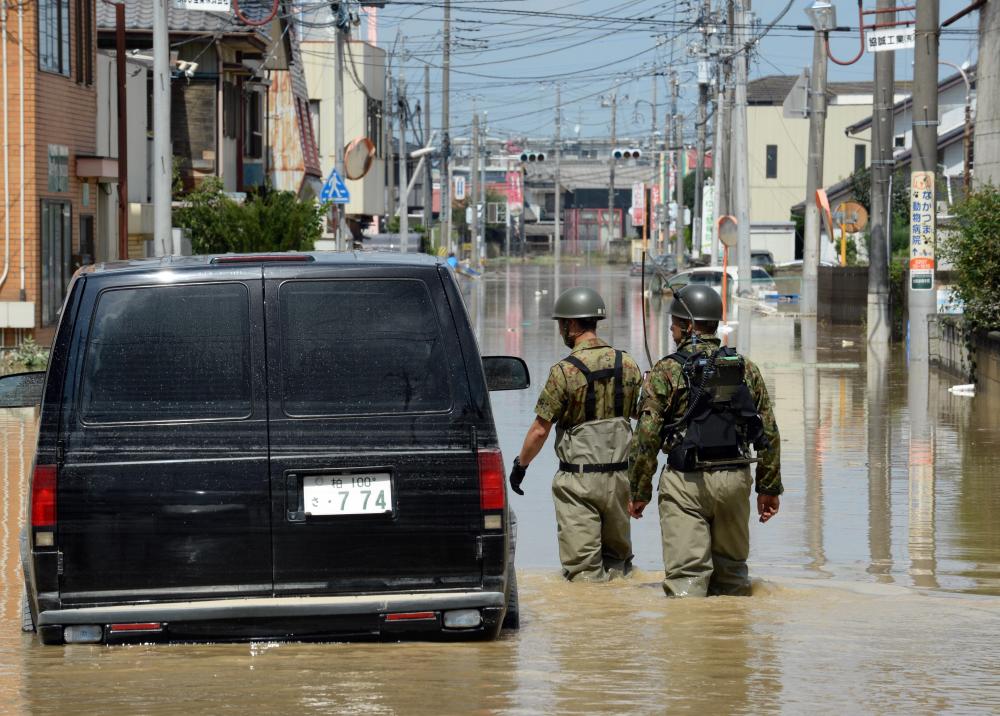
point(352, 347)
point(169, 353)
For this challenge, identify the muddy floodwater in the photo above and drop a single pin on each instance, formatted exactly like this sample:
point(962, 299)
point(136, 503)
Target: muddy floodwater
point(876, 588)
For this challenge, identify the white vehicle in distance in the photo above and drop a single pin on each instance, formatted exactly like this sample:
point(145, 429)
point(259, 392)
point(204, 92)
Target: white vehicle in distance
point(760, 279)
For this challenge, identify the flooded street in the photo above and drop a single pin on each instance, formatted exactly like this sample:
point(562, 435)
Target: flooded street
point(876, 588)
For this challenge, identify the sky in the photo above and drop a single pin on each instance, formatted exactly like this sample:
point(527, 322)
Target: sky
point(509, 54)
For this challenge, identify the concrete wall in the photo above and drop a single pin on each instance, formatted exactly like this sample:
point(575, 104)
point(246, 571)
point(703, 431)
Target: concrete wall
point(842, 294)
point(987, 138)
point(772, 199)
point(948, 351)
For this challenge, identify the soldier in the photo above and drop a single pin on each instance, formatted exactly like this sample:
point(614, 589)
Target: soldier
point(704, 406)
point(590, 396)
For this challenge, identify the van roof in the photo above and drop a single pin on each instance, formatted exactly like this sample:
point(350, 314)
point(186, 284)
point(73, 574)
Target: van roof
point(330, 258)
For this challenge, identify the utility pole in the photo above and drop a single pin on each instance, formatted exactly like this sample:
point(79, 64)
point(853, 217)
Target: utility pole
point(699, 178)
point(428, 172)
point(122, 131)
point(162, 158)
point(814, 176)
point(445, 128)
point(473, 195)
point(404, 194)
point(484, 130)
point(343, 26)
point(920, 293)
point(741, 179)
point(718, 166)
point(390, 138)
point(882, 165)
point(677, 151)
point(611, 169)
point(557, 250)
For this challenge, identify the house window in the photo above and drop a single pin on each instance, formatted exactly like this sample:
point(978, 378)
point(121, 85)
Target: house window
point(253, 135)
point(899, 141)
point(314, 115)
point(859, 157)
point(53, 36)
point(57, 260)
point(58, 168)
point(771, 161)
point(375, 125)
point(83, 30)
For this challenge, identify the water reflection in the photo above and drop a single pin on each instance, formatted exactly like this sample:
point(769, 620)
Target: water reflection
point(812, 455)
point(879, 464)
point(921, 539)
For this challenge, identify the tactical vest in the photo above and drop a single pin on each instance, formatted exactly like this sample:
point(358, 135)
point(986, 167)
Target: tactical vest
point(721, 420)
point(597, 445)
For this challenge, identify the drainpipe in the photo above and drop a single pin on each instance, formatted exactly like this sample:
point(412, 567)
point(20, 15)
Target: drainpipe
point(20, 52)
point(6, 150)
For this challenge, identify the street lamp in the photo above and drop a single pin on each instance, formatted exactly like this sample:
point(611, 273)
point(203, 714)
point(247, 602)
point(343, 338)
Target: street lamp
point(823, 16)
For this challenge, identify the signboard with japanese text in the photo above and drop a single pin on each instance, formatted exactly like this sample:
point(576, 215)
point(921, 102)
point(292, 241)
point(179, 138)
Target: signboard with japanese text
point(889, 39)
point(922, 225)
point(515, 195)
point(707, 216)
point(638, 203)
point(459, 187)
point(204, 5)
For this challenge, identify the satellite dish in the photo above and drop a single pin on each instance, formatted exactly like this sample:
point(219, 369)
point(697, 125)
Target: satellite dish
point(358, 157)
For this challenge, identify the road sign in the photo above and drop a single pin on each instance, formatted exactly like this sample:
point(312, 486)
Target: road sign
point(922, 230)
point(334, 190)
point(204, 5)
point(890, 39)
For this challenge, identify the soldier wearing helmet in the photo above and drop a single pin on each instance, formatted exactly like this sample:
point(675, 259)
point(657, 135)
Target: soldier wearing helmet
point(590, 396)
point(705, 406)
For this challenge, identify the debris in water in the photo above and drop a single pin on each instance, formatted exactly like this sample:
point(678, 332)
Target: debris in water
point(967, 390)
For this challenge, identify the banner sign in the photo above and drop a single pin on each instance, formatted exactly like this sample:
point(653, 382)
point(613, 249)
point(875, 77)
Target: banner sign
point(707, 216)
point(638, 203)
point(204, 5)
point(922, 235)
point(890, 39)
point(459, 187)
point(515, 195)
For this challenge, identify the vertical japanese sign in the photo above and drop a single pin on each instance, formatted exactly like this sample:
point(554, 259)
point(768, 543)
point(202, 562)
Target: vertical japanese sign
point(458, 190)
point(922, 231)
point(638, 203)
point(707, 216)
point(515, 197)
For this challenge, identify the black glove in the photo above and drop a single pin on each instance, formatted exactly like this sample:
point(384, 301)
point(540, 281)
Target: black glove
point(517, 475)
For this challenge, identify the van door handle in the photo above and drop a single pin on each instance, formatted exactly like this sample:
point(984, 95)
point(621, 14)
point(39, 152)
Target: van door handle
point(293, 502)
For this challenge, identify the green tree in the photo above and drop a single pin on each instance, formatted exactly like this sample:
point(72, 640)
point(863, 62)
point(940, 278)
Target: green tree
point(973, 250)
point(268, 220)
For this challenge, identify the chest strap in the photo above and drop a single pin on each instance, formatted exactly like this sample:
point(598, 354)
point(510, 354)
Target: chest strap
point(615, 374)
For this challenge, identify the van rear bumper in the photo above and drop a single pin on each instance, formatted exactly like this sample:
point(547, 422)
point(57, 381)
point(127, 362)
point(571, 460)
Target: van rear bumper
point(284, 617)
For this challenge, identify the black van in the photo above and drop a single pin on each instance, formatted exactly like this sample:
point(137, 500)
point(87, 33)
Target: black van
point(288, 446)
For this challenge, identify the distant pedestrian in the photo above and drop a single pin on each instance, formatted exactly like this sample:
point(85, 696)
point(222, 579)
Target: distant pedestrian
point(704, 406)
point(590, 396)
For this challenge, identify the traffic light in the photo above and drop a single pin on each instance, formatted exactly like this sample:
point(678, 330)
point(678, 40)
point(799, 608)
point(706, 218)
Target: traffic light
point(626, 153)
point(528, 156)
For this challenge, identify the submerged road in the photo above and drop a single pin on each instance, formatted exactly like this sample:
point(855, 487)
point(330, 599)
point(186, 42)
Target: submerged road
point(876, 589)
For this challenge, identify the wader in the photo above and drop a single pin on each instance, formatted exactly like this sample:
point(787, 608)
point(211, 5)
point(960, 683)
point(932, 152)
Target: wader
point(591, 489)
point(704, 492)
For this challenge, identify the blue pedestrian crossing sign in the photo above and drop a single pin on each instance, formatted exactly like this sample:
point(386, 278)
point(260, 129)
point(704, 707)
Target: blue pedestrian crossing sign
point(334, 190)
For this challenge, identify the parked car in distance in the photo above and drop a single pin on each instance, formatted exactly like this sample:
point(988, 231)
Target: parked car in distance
point(762, 258)
point(712, 276)
point(655, 264)
point(320, 465)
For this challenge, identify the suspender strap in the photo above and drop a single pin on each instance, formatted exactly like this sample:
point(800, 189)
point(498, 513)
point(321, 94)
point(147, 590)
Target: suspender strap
point(590, 404)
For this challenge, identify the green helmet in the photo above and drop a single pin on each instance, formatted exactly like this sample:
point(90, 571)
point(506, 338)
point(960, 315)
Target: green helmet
point(696, 302)
point(580, 303)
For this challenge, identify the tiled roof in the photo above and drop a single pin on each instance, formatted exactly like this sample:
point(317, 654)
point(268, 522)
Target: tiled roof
point(773, 89)
point(139, 16)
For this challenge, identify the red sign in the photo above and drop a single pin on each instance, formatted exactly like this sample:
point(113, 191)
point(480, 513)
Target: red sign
point(515, 195)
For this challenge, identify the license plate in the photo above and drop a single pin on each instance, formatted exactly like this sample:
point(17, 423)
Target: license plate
point(365, 494)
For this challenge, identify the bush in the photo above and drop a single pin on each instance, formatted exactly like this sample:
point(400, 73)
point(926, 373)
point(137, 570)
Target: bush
point(267, 221)
point(974, 251)
point(27, 356)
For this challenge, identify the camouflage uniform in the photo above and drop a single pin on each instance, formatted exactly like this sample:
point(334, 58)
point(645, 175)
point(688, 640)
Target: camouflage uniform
point(591, 507)
point(704, 515)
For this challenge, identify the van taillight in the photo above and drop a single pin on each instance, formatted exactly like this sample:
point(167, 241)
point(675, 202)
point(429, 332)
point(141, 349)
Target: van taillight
point(43, 496)
point(492, 492)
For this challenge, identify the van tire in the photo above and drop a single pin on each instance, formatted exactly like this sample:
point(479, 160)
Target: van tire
point(512, 619)
point(27, 623)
